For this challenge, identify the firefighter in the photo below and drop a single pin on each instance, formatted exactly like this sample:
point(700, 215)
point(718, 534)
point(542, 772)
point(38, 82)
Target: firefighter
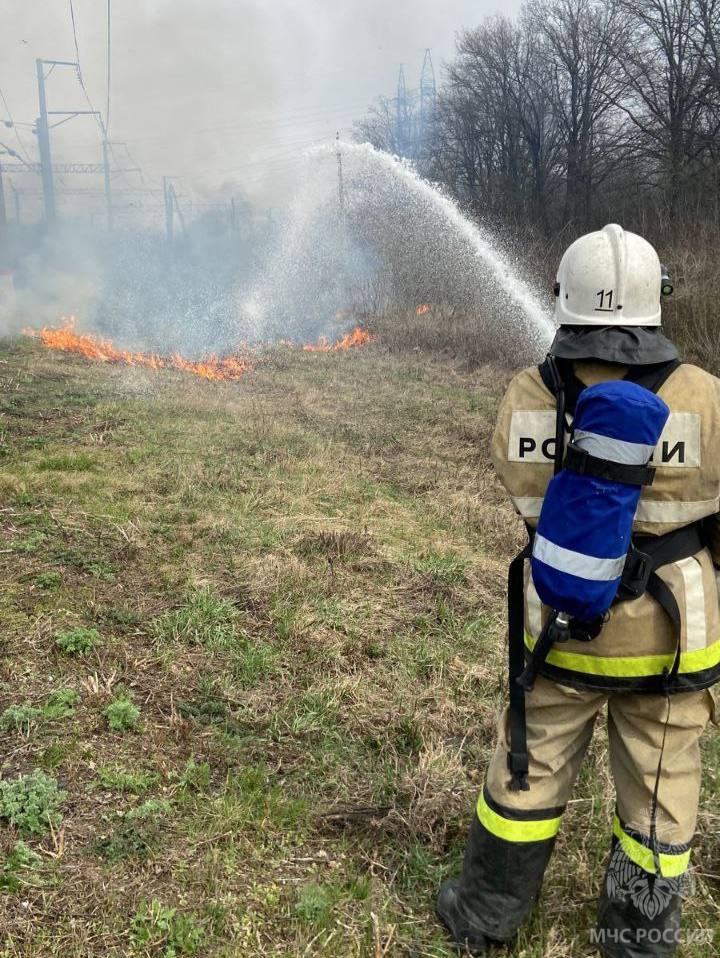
point(658, 653)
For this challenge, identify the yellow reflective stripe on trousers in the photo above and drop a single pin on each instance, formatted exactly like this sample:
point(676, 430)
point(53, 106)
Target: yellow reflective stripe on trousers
point(671, 866)
point(513, 830)
point(633, 666)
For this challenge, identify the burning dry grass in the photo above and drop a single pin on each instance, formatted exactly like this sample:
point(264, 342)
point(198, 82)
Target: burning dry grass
point(297, 579)
point(65, 339)
point(357, 337)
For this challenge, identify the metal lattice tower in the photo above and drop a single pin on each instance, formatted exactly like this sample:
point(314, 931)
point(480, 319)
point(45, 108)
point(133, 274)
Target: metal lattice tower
point(428, 94)
point(402, 116)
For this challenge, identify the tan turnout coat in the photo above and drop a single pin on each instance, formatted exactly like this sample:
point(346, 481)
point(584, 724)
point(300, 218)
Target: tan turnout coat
point(638, 638)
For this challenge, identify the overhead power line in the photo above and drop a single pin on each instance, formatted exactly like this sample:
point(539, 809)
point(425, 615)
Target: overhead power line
point(98, 115)
point(93, 169)
point(13, 124)
point(274, 122)
point(107, 108)
point(134, 162)
point(74, 30)
point(291, 155)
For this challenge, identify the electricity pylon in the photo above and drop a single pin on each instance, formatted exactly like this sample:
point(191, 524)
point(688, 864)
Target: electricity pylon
point(402, 115)
point(428, 95)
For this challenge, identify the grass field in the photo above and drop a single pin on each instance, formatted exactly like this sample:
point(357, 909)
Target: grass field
point(252, 656)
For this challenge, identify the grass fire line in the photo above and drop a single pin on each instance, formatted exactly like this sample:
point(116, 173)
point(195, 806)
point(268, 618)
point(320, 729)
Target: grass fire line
point(65, 339)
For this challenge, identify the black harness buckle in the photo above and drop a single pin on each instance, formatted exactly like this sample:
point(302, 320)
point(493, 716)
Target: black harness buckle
point(637, 571)
point(518, 767)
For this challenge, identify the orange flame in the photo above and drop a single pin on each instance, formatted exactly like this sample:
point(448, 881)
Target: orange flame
point(424, 308)
point(65, 339)
point(358, 337)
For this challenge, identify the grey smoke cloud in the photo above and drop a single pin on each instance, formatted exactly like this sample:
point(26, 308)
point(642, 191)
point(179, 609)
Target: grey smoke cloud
point(222, 93)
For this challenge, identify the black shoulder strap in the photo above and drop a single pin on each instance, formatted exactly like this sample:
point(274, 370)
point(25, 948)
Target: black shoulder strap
point(559, 376)
point(653, 376)
point(553, 376)
point(518, 759)
point(550, 375)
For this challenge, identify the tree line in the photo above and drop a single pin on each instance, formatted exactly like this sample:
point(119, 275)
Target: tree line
point(575, 113)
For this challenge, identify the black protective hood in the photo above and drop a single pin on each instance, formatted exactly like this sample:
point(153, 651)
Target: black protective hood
point(629, 345)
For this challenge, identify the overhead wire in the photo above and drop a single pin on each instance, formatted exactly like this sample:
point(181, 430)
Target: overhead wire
point(135, 163)
point(273, 162)
point(13, 125)
point(104, 125)
point(107, 108)
point(275, 122)
point(97, 114)
point(118, 169)
point(290, 155)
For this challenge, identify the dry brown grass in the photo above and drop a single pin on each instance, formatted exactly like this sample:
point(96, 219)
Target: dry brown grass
point(299, 580)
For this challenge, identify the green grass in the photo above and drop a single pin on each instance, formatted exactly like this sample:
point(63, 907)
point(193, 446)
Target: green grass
point(203, 619)
point(78, 641)
point(267, 722)
point(19, 718)
point(118, 779)
point(122, 714)
point(18, 868)
point(164, 932)
point(32, 803)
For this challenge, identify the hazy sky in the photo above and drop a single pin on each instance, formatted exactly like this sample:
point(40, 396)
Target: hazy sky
point(222, 93)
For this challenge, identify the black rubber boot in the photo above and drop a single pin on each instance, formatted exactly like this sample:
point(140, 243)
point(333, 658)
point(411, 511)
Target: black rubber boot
point(496, 891)
point(450, 912)
point(639, 913)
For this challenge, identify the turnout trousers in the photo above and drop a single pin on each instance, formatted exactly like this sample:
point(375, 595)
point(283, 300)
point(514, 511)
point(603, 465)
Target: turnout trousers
point(513, 832)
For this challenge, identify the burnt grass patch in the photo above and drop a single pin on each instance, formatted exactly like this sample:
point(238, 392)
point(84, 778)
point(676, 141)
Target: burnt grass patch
point(293, 587)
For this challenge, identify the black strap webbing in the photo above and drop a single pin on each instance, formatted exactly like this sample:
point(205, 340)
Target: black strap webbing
point(662, 594)
point(654, 376)
point(559, 377)
point(657, 588)
point(553, 379)
point(538, 657)
point(672, 546)
point(518, 759)
point(580, 460)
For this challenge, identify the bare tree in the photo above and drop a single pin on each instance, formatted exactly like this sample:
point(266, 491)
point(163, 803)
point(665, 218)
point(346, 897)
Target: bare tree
point(709, 49)
point(580, 110)
point(578, 39)
point(378, 127)
point(538, 122)
point(665, 72)
point(495, 136)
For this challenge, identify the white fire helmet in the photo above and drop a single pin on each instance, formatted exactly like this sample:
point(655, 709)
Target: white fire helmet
point(611, 277)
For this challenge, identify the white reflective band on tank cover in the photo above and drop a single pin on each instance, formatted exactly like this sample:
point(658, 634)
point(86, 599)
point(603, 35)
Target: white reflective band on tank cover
point(614, 450)
point(575, 563)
